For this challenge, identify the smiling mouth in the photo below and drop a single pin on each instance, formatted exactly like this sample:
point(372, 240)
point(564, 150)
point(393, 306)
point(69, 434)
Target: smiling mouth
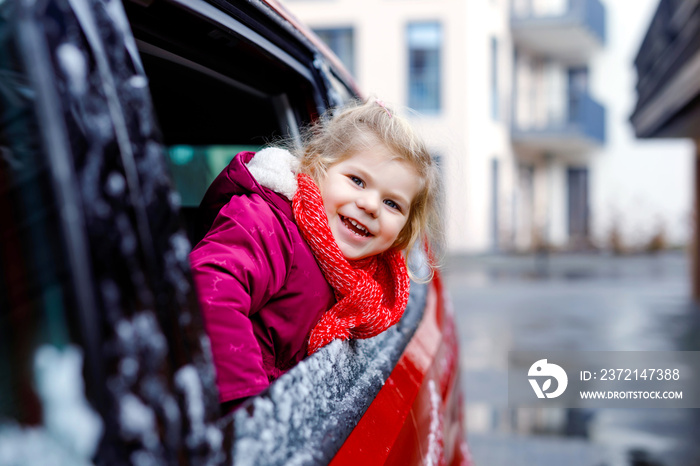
point(355, 227)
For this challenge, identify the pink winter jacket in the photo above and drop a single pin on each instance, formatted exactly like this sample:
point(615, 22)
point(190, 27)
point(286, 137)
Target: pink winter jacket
point(260, 288)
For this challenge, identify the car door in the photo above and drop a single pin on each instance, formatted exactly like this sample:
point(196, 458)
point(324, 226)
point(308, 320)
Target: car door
point(93, 255)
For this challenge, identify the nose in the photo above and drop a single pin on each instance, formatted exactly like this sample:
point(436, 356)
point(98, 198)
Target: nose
point(369, 203)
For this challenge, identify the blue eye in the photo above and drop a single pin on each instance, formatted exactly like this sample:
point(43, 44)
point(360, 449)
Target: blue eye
point(357, 181)
point(392, 204)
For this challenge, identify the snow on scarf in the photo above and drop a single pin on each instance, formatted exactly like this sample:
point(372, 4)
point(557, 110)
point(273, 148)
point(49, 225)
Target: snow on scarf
point(371, 293)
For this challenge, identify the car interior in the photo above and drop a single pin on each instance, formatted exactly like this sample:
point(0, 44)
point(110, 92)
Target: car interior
point(229, 95)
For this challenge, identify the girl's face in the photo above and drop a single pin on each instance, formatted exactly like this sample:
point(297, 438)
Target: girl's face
point(367, 198)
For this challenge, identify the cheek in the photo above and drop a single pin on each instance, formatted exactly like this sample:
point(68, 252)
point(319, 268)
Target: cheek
point(397, 227)
point(328, 208)
point(402, 233)
point(331, 191)
point(327, 200)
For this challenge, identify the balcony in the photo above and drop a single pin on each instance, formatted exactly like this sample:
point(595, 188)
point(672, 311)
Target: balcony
point(580, 130)
point(668, 66)
point(570, 33)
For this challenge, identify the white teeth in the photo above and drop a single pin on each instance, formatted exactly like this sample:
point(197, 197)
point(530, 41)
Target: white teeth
point(357, 225)
point(362, 230)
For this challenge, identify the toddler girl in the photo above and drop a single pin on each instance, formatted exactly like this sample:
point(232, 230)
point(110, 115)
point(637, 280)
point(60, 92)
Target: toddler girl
point(304, 250)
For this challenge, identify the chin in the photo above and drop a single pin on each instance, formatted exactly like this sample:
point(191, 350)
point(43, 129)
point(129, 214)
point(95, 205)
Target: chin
point(352, 257)
point(351, 254)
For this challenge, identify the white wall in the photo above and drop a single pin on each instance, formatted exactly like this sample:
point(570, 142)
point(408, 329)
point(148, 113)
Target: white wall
point(487, 139)
point(637, 184)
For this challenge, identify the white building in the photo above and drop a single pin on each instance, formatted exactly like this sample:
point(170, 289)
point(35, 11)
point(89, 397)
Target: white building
point(639, 186)
point(508, 95)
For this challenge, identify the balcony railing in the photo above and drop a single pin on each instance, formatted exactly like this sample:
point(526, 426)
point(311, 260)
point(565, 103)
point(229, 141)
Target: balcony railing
point(582, 128)
point(571, 33)
point(667, 73)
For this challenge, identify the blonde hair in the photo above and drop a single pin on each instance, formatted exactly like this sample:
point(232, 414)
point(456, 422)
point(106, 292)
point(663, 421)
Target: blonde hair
point(359, 126)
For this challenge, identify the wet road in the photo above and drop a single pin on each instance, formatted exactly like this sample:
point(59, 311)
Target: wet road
point(571, 303)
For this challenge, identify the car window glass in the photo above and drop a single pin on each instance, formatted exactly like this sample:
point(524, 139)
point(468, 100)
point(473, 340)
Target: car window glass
point(193, 168)
point(344, 94)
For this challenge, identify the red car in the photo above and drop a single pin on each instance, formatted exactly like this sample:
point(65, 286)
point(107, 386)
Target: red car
point(114, 119)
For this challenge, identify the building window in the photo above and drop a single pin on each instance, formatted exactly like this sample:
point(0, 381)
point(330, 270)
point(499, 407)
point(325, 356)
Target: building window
point(578, 89)
point(577, 183)
point(341, 42)
point(495, 224)
point(424, 43)
point(494, 79)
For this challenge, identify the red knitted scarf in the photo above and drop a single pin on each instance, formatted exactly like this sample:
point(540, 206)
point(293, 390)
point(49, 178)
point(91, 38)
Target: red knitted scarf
point(371, 293)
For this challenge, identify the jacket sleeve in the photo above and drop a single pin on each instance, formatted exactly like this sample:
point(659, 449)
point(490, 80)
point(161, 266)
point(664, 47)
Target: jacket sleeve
point(238, 266)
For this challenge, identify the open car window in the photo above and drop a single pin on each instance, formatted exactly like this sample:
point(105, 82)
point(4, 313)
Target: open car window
point(206, 118)
point(229, 96)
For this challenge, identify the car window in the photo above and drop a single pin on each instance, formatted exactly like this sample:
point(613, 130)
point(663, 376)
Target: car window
point(92, 250)
point(230, 95)
point(193, 168)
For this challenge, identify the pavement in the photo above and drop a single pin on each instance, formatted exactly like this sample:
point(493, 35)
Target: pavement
point(571, 303)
